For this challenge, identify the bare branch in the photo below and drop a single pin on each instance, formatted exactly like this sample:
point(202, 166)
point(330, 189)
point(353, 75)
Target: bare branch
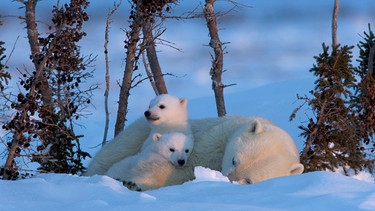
point(147, 78)
point(11, 52)
point(168, 44)
point(149, 74)
point(188, 15)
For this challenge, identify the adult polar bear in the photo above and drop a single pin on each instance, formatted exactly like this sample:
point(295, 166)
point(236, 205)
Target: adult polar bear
point(246, 149)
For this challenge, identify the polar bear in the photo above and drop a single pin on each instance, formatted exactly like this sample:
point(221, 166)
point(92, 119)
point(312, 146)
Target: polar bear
point(149, 168)
point(258, 151)
point(214, 140)
point(166, 113)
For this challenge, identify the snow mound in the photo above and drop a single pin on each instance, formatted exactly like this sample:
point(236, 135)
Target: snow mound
point(206, 174)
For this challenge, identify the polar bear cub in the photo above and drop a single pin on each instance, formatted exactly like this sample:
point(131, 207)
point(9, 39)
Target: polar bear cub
point(167, 113)
point(153, 164)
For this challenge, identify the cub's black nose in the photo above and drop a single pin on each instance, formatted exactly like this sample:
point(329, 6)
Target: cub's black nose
point(181, 162)
point(147, 113)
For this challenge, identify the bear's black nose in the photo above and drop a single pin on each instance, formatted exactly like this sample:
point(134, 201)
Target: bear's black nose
point(181, 162)
point(147, 113)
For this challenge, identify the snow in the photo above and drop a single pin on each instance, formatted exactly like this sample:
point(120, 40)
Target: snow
point(269, 61)
point(210, 191)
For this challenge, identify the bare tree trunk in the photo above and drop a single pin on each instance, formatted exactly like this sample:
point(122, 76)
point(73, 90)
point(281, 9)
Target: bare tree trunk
point(9, 167)
point(334, 22)
point(107, 75)
point(128, 73)
point(32, 35)
point(39, 62)
point(153, 58)
point(217, 63)
point(32, 32)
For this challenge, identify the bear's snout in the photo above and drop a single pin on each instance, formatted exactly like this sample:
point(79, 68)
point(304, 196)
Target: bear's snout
point(151, 117)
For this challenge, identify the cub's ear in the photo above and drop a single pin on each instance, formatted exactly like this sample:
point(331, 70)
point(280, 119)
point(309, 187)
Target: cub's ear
point(296, 168)
point(190, 136)
point(183, 102)
point(156, 136)
point(255, 127)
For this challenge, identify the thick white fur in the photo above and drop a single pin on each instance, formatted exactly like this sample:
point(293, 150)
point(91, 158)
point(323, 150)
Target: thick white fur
point(258, 151)
point(166, 113)
point(125, 144)
point(152, 165)
point(211, 137)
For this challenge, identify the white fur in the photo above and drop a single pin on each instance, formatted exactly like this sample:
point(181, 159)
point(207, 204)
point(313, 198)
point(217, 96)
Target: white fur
point(246, 149)
point(167, 110)
point(166, 113)
point(211, 138)
point(153, 164)
point(258, 151)
point(125, 144)
point(175, 147)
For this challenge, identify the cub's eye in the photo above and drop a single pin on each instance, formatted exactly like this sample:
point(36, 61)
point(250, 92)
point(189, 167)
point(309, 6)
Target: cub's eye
point(187, 151)
point(234, 162)
point(162, 106)
point(171, 149)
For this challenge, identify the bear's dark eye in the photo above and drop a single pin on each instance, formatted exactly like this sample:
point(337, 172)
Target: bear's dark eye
point(171, 149)
point(248, 181)
point(162, 106)
point(187, 151)
point(234, 162)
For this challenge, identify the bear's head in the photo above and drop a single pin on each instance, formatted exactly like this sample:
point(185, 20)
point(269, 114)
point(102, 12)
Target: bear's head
point(176, 147)
point(167, 109)
point(258, 151)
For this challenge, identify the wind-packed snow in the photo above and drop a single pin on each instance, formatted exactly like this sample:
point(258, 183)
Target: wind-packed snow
point(271, 49)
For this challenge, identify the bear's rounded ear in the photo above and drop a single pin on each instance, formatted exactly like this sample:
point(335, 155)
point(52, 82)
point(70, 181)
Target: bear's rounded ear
point(255, 127)
point(183, 102)
point(190, 136)
point(156, 136)
point(296, 168)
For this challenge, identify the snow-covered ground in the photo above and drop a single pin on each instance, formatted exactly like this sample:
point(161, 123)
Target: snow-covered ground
point(210, 191)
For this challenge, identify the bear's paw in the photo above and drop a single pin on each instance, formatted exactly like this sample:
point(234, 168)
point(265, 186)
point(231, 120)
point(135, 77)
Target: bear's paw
point(131, 186)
